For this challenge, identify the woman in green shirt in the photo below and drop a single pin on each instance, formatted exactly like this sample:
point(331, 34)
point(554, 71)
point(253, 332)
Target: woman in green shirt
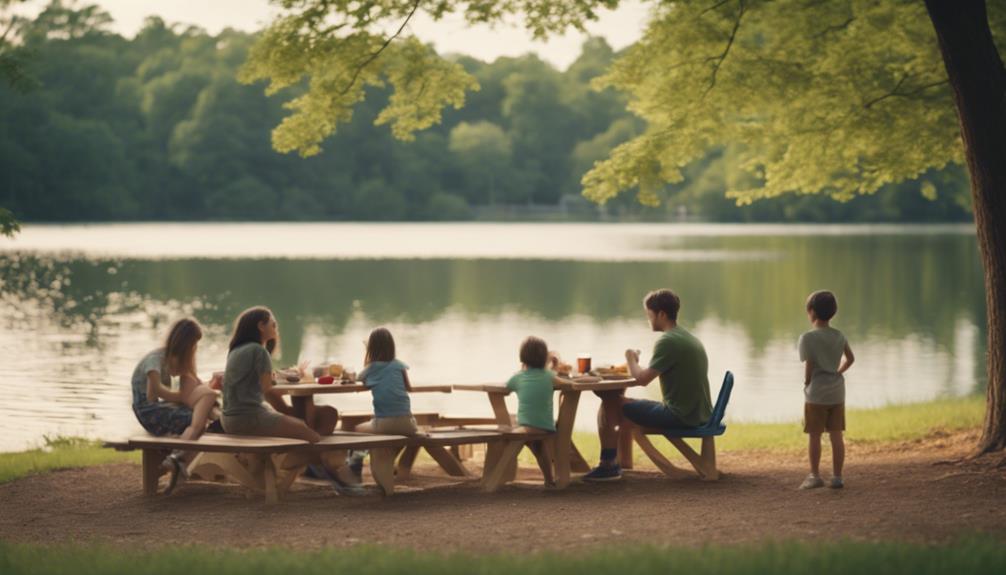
point(248, 382)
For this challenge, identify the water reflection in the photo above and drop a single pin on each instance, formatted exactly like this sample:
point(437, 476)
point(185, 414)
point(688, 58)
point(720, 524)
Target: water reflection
point(911, 304)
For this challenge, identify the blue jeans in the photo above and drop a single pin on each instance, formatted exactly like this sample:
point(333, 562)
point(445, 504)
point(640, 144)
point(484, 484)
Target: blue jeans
point(656, 414)
point(163, 418)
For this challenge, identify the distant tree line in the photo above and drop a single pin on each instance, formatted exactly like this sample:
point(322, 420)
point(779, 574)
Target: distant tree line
point(157, 127)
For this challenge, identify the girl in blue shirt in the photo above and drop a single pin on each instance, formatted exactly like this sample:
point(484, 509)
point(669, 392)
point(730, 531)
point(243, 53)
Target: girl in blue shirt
point(387, 378)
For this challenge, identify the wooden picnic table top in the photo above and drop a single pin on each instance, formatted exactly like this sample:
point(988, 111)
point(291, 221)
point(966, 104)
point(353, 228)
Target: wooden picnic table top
point(306, 389)
point(603, 385)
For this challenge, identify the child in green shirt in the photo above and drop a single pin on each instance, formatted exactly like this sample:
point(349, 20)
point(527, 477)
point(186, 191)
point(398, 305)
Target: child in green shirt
point(534, 386)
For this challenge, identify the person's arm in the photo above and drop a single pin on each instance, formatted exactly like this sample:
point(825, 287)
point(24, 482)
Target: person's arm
point(808, 372)
point(849, 359)
point(157, 390)
point(271, 397)
point(642, 375)
point(405, 378)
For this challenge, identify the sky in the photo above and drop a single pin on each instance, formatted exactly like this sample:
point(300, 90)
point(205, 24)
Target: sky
point(452, 35)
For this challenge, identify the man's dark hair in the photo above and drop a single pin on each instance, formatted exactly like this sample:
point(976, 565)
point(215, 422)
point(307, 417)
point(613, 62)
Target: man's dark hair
point(534, 352)
point(663, 300)
point(824, 304)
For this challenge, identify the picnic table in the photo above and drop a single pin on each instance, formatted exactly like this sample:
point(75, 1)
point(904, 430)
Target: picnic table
point(449, 458)
point(567, 457)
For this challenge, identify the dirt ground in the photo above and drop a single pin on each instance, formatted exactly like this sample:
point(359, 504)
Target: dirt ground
point(911, 491)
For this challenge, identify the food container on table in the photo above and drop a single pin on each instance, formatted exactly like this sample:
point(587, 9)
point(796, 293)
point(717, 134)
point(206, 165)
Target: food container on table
point(326, 380)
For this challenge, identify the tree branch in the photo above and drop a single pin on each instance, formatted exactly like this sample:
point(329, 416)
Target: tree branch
point(835, 28)
point(726, 51)
point(896, 94)
point(372, 57)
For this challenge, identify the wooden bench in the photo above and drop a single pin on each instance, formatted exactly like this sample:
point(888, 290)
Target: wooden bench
point(442, 445)
point(267, 465)
point(428, 420)
point(704, 463)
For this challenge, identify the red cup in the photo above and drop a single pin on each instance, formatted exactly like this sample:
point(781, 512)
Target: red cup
point(326, 380)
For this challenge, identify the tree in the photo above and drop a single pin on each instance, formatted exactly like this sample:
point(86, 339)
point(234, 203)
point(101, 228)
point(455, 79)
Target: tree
point(837, 98)
point(12, 71)
point(483, 153)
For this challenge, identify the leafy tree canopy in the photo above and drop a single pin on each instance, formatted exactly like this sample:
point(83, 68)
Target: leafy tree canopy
point(840, 97)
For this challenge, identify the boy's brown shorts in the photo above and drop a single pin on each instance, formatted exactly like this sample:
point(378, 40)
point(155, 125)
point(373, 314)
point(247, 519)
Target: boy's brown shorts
point(820, 418)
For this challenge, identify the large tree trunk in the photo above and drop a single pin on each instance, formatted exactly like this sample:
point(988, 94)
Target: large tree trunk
point(979, 85)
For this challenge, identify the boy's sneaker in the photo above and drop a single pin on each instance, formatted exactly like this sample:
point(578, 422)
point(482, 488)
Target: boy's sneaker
point(603, 473)
point(812, 482)
point(836, 483)
point(339, 484)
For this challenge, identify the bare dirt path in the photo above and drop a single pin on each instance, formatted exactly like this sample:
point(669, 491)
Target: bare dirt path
point(894, 492)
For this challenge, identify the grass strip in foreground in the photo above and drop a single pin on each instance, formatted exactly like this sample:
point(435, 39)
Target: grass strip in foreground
point(978, 555)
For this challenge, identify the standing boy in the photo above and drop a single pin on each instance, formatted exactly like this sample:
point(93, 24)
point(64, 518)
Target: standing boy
point(821, 350)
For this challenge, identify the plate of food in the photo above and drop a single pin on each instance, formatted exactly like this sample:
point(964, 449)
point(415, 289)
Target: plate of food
point(612, 372)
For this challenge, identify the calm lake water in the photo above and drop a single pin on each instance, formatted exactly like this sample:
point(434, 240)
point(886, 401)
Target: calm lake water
point(79, 305)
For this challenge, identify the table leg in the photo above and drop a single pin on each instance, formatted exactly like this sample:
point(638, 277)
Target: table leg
point(568, 401)
point(498, 401)
point(301, 407)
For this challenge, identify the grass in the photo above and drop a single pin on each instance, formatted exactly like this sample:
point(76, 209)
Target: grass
point(965, 557)
point(59, 453)
point(893, 423)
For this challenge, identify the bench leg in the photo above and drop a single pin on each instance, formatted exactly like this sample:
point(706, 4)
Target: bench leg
point(152, 470)
point(655, 456)
point(497, 476)
point(269, 483)
point(382, 467)
point(625, 445)
point(447, 461)
point(695, 459)
point(406, 461)
point(493, 451)
point(709, 458)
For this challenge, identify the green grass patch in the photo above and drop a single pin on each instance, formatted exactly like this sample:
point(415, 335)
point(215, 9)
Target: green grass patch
point(885, 424)
point(59, 453)
point(965, 557)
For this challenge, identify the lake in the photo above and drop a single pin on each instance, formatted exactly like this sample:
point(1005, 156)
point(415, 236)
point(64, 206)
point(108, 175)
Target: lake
point(79, 306)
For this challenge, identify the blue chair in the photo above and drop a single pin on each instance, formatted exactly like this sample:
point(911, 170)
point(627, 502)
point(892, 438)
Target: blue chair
point(705, 462)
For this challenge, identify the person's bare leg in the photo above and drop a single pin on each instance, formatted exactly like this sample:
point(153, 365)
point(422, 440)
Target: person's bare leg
point(814, 450)
point(837, 452)
point(200, 415)
point(609, 417)
point(295, 429)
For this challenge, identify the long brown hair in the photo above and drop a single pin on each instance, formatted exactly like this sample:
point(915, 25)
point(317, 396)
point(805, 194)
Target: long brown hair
point(380, 346)
point(180, 347)
point(246, 329)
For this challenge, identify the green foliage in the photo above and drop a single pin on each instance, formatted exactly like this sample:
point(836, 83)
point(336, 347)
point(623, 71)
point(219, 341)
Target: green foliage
point(835, 97)
point(159, 127)
point(971, 556)
point(842, 98)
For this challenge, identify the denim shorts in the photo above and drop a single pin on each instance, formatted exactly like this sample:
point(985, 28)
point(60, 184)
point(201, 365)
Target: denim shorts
point(163, 418)
point(656, 414)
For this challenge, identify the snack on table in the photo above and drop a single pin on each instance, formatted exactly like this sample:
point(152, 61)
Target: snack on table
point(612, 371)
point(563, 369)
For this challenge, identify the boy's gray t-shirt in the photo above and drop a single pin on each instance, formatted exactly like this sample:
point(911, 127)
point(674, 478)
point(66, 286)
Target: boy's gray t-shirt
point(242, 387)
point(824, 347)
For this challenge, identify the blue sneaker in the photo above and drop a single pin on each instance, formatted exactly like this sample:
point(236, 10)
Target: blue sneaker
point(604, 473)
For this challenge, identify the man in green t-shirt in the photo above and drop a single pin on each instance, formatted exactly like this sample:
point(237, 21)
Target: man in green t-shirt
point(680, 361)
